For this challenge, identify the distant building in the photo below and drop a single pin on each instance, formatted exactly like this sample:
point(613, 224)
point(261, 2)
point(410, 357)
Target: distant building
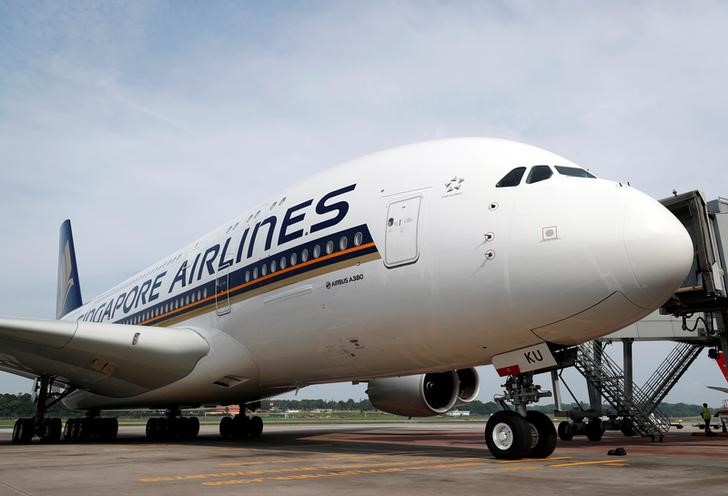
point(458, 413)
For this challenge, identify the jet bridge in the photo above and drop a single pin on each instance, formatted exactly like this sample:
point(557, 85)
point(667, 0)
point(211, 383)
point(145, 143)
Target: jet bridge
point(694, 318)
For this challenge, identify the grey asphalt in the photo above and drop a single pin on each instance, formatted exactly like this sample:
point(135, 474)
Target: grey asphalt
point(419, 459)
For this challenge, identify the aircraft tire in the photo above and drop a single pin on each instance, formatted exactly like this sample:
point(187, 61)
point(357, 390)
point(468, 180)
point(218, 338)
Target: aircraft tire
point(82, 430)
point(508, 435)
point(152, 429)
point(545, 442)
point(241, 427)
point(566, 431)
point(16, 432)
point(226, 427)
point(23, 430)
point(255, 427)
point(593, 430)
point(194, 427)
point(68, 430)
point(109, 428)
point(185, 427)
point(52, 429)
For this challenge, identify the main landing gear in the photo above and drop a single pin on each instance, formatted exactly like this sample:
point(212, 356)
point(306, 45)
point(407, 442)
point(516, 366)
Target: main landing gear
point(172, 426)
point(241, 426)
point(50, 429)
point(521, 433)
point(91, 428)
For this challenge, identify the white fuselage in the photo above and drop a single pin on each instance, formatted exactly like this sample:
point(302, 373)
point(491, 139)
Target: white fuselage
point(430, 267)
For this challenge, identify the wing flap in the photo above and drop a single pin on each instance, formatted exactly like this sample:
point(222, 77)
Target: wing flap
point(108, 359)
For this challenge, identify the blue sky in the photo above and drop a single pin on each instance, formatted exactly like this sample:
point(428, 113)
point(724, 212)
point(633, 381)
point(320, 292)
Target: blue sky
point(148, 123)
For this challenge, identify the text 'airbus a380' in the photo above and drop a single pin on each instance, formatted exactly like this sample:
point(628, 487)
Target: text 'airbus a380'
point(404, 269)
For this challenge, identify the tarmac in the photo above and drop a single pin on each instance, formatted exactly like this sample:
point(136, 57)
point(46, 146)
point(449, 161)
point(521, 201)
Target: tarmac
point(421, 459)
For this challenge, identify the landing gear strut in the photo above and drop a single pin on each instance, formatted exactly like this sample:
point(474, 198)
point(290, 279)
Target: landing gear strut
point(241, 426)
point(172, 426)
point(47, 429)
point(521, 433)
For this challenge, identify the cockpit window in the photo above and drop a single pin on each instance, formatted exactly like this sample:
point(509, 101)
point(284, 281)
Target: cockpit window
point(573, 171)
point(539, 173)
point(513, 178)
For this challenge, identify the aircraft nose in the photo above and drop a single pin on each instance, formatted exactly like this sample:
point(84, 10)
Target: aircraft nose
point(659, 250)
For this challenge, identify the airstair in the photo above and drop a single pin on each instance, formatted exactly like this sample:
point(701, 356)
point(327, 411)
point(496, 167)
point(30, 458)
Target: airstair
point(602, 373)
point(669, 372)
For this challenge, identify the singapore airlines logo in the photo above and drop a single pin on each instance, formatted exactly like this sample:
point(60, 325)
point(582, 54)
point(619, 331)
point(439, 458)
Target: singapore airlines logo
point(65, 279)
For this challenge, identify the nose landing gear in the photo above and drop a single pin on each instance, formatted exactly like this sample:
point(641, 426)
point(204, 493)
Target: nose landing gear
point(521, 433)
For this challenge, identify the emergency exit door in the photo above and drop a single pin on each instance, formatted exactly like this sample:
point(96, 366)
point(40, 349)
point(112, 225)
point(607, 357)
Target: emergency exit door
point(401, 242)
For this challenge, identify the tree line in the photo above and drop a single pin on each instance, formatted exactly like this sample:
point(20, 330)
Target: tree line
point(21, 405)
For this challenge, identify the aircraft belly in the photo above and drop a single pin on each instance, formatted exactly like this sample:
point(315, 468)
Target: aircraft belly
point(359, 330)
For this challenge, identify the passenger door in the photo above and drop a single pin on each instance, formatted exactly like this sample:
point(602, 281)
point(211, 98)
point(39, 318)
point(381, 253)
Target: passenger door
point(222, 295)
point(402, 232)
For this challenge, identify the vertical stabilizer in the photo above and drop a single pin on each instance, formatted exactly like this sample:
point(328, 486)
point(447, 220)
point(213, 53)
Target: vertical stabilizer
point(69, 290)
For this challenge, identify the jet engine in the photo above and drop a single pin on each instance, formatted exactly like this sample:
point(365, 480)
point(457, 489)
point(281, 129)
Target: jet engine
point(424, 395)
point(469, 386)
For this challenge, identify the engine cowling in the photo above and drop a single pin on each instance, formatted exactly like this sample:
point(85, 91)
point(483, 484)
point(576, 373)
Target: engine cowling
point(425, 395)
point(422, 395)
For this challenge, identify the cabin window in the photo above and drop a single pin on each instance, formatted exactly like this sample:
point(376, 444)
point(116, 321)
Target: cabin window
point(247, 276)
point(304, 255)
point(343, 243)
point(539, 173)
point(264, 270)
point(316, 251)
point(255, 272)
point(574, 172)
point(294, 259)
point(284, 261)
point(329, 247)
point(358, 239)
point(513, 178)
point(272, 266)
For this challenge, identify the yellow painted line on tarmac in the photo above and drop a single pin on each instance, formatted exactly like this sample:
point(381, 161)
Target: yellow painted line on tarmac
point(532, 460)
point(253, 462)
point(595, 462)
point(238, 473)
point(274, 461)
point(520, 468)
point(342, 473)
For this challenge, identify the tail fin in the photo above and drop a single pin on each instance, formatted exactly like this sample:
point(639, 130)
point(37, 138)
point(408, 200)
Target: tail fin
point(69, 290)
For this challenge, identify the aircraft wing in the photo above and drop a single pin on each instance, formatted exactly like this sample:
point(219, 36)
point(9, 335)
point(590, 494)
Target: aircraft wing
point(718, 388)
point(108, 359)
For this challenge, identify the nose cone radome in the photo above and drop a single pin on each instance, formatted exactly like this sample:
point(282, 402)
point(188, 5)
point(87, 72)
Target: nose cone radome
point(659, 250)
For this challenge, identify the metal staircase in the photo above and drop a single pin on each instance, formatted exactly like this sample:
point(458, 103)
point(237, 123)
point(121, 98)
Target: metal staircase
point(605, 375)
point(669, 372)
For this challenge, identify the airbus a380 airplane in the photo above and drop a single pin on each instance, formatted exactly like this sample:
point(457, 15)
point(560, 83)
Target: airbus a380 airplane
point(405, 269)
